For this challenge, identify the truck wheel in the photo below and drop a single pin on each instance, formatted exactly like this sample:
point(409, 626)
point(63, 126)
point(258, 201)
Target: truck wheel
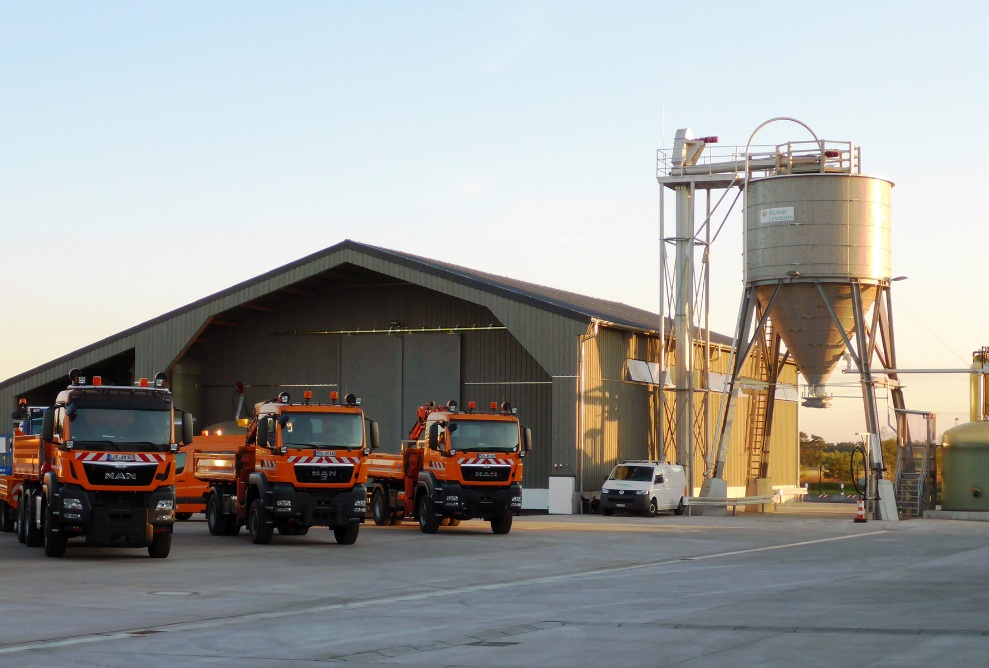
point(260, 531)
point(380, 511)
point(183, 517)
point(428, 521)
point(679, 508)
point(54, 536)
point(32, 532)
point(6, 521)
point(216, 519)
point(653, 508)
point(161, 545)
point(501, 524)
point(347, 534)
point(21, 522)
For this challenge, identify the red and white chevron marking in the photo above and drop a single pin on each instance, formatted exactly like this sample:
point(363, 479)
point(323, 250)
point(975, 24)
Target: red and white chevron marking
point(129, 458)
point(317, 461)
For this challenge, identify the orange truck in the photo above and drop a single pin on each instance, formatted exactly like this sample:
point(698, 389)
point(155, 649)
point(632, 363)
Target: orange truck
point(102, 468)
point(221, 439)
point(301, 465)
point(23, 439)
point(457, 465)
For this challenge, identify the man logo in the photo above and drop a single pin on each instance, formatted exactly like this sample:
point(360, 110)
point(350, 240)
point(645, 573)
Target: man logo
point(119, 475)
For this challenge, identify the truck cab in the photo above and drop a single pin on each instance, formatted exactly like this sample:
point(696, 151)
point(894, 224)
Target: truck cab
point(302, 465)
point(105, 468)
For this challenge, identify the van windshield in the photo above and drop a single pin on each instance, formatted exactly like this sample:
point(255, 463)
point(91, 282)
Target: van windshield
point(635, 473)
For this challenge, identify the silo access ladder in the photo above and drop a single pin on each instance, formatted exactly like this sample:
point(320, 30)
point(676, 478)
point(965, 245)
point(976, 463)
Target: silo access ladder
point(911, 474)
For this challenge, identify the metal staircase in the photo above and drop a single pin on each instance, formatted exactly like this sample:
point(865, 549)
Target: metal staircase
point(911, 476)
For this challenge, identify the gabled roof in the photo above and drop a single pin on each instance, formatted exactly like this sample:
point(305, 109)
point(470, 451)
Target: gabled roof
point(551, 299)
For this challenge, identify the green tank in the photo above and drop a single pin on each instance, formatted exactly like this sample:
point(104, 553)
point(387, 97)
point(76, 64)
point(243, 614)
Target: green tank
point(965, 467)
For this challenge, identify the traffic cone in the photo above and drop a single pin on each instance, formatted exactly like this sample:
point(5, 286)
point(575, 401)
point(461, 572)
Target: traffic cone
point(860, 515)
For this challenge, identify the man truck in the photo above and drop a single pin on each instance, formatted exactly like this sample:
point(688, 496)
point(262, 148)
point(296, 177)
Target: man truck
point(301, 465)
point(102, 468)
point(456, 465)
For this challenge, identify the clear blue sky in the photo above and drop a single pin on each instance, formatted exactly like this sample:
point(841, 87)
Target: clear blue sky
point(154, 153)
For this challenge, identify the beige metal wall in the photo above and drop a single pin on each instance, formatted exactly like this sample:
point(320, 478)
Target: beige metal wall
point(620, 418)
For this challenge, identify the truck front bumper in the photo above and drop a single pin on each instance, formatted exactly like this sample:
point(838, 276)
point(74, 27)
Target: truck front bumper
point(487, 503)
point(114, 518)
point(329, 508)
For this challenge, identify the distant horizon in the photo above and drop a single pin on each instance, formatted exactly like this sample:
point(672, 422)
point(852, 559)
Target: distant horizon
point(156, 154)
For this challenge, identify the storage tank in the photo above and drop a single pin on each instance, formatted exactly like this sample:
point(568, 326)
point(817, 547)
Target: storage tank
point(804, 229)
point(965, 467)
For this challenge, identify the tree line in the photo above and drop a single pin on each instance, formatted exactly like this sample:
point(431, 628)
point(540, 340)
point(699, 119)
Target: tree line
point(834, 460)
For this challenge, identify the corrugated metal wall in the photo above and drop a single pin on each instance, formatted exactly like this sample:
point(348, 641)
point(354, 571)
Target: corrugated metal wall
point(494, 365)
point(622, 417)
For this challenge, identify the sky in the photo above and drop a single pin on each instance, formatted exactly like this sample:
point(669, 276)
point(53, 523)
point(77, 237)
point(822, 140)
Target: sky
point(152, 154)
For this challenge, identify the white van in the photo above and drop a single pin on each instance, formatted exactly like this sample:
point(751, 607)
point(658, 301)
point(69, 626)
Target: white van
point(644, 487)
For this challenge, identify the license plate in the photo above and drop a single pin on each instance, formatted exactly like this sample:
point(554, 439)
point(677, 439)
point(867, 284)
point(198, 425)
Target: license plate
point(619, 505)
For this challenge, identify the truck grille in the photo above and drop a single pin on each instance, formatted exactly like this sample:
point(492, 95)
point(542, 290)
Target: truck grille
point(486, 473)
point(124, 476)
point(324, 474)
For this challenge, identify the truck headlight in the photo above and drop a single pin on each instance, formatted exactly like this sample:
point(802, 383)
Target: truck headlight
point(71, 504)
point(284, 503)
point(452, 500)
point(165, 504)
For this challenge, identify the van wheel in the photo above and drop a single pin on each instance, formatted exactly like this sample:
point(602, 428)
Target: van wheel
point(679, 508)
point(653, 508)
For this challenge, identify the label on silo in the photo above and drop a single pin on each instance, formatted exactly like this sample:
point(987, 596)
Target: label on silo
point(780, 214)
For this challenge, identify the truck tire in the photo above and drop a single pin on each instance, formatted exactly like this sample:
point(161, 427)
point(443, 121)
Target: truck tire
point(347, 534)
point(7, 522)
point(501, 524)
point(54, 536)
point(161, 545)
point(380, 511)
point(428, 521)
point(32, 532)
point(261, 532)
point(216, 520)
point(21, 522)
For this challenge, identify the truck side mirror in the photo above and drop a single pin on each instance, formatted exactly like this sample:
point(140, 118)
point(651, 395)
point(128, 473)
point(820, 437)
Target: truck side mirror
point(188, 423)
point(526, 439)
point(372, 434)
point(48, 424)
point(433, 436)
point(262, 432)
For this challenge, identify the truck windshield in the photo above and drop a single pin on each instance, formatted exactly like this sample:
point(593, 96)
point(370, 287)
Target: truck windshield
point(635, 473)
point(476, 435)
point(121, 429)
point(323, 430)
